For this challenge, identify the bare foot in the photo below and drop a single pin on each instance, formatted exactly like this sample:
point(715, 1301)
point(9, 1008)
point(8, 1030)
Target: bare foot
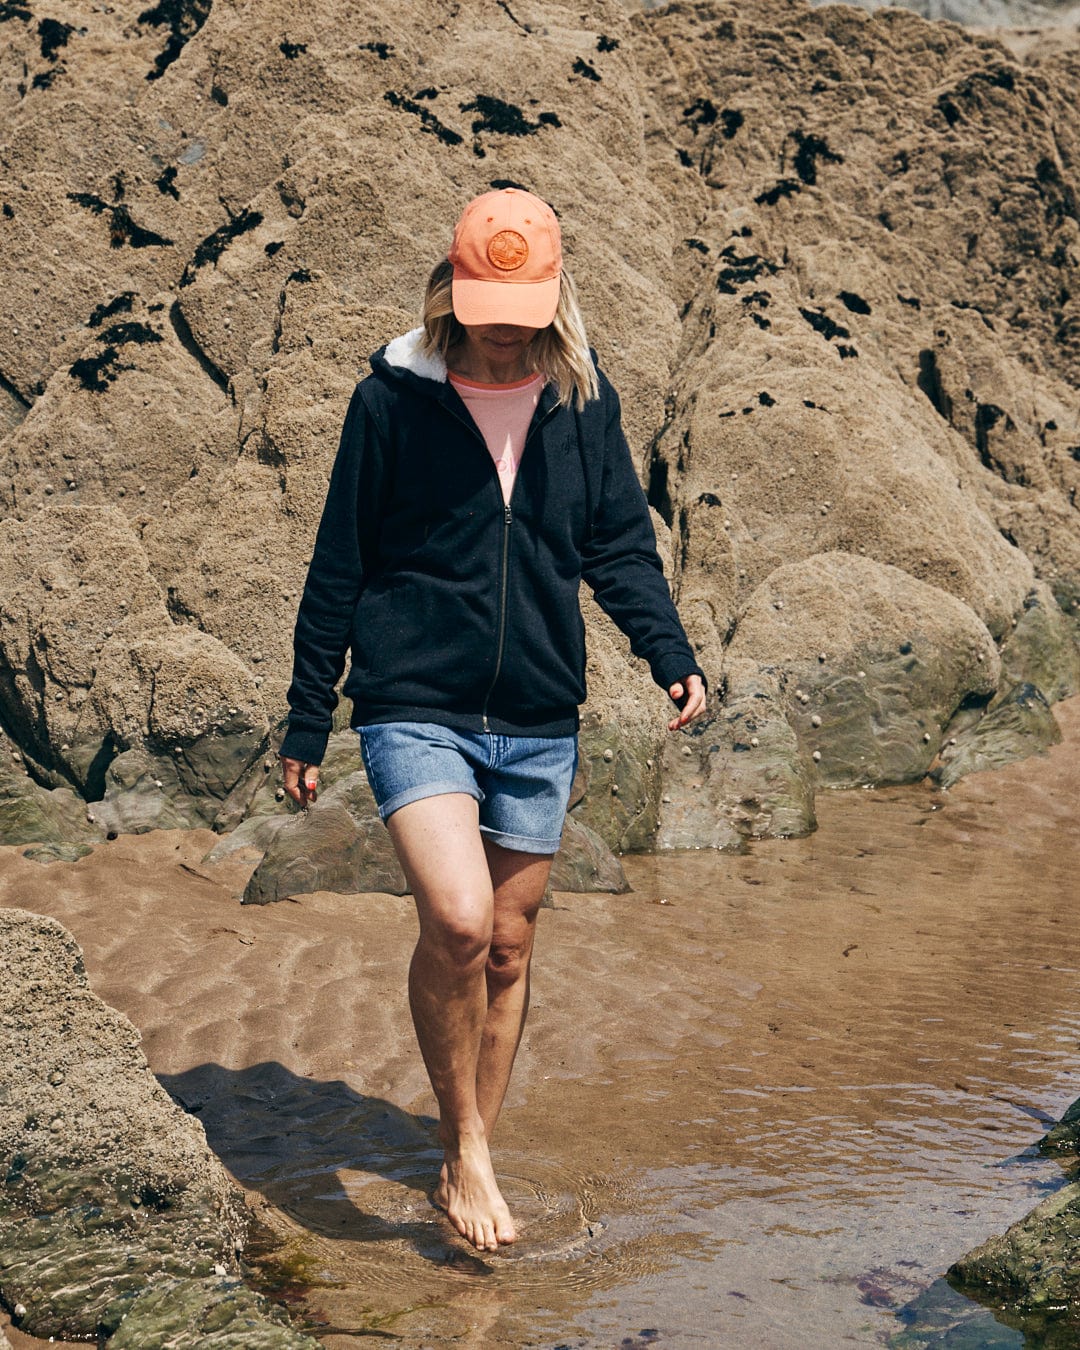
point(470, 1195)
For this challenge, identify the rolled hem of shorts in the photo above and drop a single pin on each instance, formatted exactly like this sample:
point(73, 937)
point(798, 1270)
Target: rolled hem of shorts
point(521, 843)
point(419, 791)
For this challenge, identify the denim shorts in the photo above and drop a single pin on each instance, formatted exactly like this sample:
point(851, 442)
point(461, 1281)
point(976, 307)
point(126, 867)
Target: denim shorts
point(521, 782)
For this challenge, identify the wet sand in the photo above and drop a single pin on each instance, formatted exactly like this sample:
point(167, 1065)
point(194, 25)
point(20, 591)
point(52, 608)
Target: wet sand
point(764, 1100)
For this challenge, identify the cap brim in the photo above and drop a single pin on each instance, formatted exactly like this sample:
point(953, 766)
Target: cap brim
point(532, 304)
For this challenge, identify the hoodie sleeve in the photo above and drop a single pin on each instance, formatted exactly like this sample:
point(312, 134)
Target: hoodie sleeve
point(335, 579)
point(621, 564)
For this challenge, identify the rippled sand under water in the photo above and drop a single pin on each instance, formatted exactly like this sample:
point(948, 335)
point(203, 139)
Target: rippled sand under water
point(763, 1101)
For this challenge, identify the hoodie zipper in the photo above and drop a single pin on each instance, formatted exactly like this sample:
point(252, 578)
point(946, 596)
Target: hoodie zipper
point(504, 562)
point(504, 568)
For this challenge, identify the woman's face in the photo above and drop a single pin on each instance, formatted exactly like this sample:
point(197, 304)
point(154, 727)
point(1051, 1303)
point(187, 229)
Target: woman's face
point(500, 341)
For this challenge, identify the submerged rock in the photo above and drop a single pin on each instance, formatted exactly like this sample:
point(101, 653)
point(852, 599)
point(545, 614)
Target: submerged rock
point(111, 1204)
point(1030, 1274)
point(1034, 1267)
point(1065, 1135)
point(218, 1314)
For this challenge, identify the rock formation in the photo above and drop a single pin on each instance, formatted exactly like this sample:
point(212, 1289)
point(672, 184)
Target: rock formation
point(116, 1220)
point(1032, 1271)
point(829, 257)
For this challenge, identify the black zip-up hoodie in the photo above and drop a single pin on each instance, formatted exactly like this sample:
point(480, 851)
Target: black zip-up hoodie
point(459, 609)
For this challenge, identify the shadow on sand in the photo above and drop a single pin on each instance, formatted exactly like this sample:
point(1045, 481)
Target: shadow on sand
point(295, 1141)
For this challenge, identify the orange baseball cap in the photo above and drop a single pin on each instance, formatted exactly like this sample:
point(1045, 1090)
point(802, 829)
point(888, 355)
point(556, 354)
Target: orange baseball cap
point(507, 257)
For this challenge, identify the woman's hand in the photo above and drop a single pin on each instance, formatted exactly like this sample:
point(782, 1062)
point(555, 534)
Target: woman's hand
point(689, 694)
point(301, 780)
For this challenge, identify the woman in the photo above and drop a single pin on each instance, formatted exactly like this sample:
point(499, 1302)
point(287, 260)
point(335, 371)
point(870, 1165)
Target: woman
point(482, 472)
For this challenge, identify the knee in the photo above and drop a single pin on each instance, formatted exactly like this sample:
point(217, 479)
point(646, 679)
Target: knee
point(508, 962)
point(460, 940)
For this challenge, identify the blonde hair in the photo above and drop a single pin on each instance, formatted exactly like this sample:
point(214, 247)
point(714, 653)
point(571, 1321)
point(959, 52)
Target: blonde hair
point(559, 352)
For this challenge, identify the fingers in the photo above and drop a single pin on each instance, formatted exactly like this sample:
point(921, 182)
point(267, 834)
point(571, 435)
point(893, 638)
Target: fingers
point(300, 780)
point(690, 695)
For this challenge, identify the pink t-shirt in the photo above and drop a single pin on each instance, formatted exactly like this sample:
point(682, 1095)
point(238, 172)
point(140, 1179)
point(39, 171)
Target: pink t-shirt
point(503, 413)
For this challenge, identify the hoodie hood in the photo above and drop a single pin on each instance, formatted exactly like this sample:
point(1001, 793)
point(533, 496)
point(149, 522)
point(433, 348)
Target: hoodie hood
point(405, 355)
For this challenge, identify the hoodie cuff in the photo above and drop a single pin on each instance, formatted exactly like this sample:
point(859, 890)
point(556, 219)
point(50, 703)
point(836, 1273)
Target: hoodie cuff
point(308, 747)
point(673, 668)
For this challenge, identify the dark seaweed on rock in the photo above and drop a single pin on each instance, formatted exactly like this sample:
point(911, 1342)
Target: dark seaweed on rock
point(505, 119)
point(121, 305)
point(122, 229)
point(382, 50)
point(731, 119)
point(740, 269)
point(810, 150)
point(929, 381)
point(701, 113)
point(428, 121)
point(166, 183)
point(44, 78)
point(820, 322)
point(53, 35)
point(214, 245)
point(8, 11)
point(854, 302)
point(606, 44)
point(584, 69)
point(291, 50)
point(121, 333)
point(786, 187)
point(183, 18)
point(96, 373)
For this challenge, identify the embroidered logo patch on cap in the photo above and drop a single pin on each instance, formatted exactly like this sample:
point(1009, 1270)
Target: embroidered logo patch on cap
point(507, 250)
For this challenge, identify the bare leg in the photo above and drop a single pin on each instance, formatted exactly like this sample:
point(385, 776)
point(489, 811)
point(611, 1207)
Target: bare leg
point(518, 880)
point(438, 843)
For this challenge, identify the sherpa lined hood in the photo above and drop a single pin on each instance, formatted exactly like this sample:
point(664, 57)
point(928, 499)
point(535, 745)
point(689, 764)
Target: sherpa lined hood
point(405, 354)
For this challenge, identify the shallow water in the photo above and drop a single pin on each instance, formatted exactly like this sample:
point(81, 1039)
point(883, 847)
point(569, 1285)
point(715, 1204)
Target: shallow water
point(809, 1079)
point(763, 1101)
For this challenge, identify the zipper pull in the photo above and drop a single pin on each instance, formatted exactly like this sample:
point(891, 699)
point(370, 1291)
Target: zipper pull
point(508, 516)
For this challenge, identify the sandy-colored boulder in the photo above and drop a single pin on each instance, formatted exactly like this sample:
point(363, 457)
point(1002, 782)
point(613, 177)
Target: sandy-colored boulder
point(110, 1197)
point(864, 667)
point(93, 664)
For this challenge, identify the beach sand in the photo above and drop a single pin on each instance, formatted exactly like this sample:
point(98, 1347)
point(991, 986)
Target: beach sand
point(745, 1086)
